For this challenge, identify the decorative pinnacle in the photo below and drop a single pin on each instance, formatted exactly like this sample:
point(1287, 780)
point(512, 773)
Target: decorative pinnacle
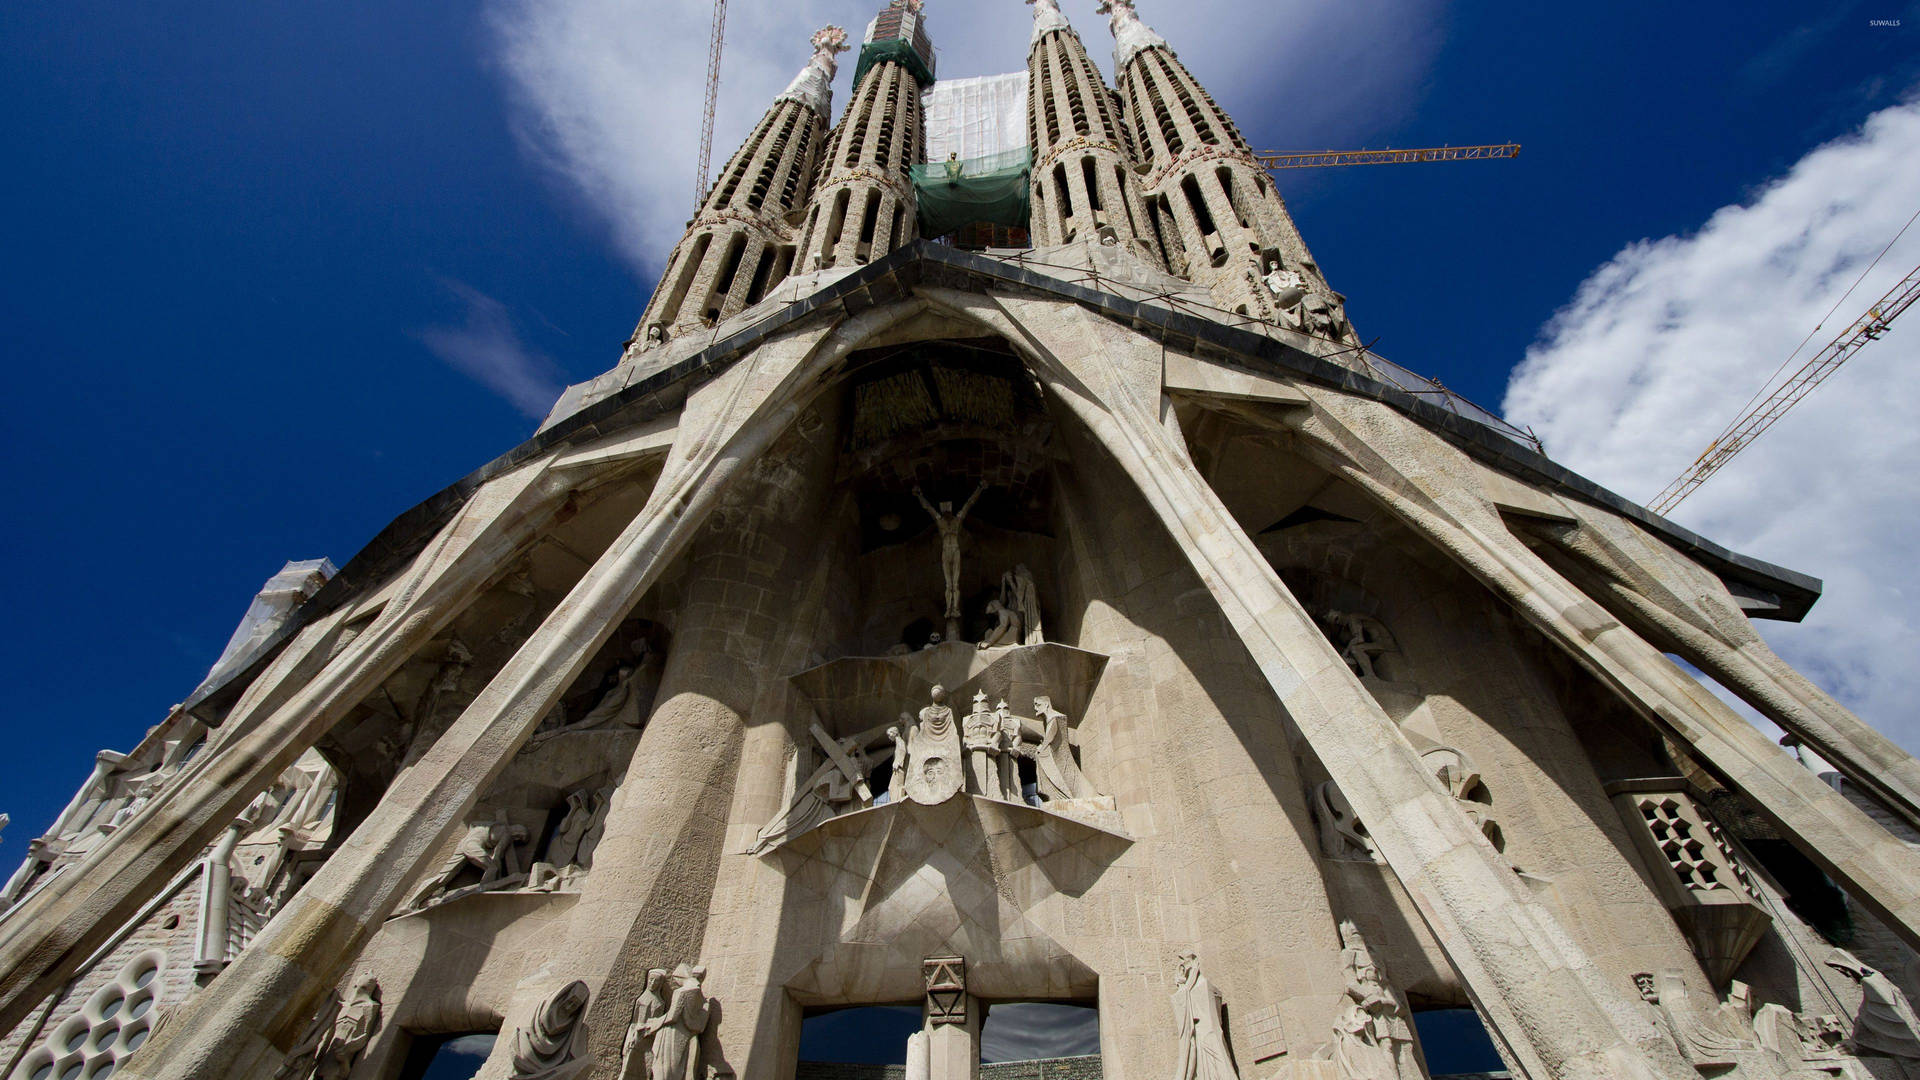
point(1046, 17)
point(1130, 35)
point(829, 39)
point(914, 6)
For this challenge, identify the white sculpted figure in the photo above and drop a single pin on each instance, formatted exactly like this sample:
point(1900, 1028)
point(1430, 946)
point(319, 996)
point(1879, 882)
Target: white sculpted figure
point(897, 782)
point(1371, 1038)
point(334, 1042)
point(948, 521)
point(1006, 627)
point(1202, 1051)
point(554, 1045)
point(1059, 775)
point(584, 809)
point(620, 704)
point(935, 773)
point(488, 847)
point(822, 796)
point(1886, 1023)
point(1287, 286)
point(636, 1055)
point(676, 1032)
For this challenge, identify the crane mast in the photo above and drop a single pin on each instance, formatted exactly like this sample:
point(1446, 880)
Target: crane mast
point(713, 97)
point(1752, 423)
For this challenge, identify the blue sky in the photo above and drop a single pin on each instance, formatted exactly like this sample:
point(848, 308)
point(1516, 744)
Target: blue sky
point(258, 253)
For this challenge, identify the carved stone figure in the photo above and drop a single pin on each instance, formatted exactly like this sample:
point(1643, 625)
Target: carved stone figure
point(1010, 743)
point(823, 795)
point(654, 335)
point(1342, 836)
point(1366, 639)
point(1287, 286)
point(1323, 318)
point(897, 781)
point(1202, 1050)
point(980, 734)
point(554, 1045)
point(676, 1032)
point(1019, 595)
point(934, 770)
point(637, 1052)
point(1885, 1023)
point(487, 847)
point(140, 792)
point(335, 1040)
point(620, 704)
point(585, 809)
point(1059, 775)
point(1372, 1040)
point(1006, 628)
point(948, 521)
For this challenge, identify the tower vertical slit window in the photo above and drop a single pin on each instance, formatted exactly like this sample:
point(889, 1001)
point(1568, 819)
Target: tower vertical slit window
point(889, 111)
point(1169, 134)
point(757, 287)
point(697, 254)
point(836, 224)
point(894, 236)
point(723, 283)
point(1120, 185)
point(856, 137)
point(1233, 196)
point(1094, 202)
point(1097, 86)
point(1060, 188)
point(1183, 87)
point(1075, 105)
point(869, 220)
point(1048, 106)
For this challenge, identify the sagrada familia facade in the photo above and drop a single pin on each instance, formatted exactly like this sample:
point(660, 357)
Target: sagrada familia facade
point(967, 592)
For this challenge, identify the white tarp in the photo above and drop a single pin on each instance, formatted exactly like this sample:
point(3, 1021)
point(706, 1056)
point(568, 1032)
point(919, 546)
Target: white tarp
point(977, 117)
point(283, 592)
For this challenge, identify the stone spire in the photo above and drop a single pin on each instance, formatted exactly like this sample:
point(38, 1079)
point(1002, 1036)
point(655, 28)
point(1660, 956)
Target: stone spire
point(863, 204)
point(1217, 214)
point(1083, 184)
point(813, 87)
point(1130, 35)
point(1047, 18)
point(740, 244)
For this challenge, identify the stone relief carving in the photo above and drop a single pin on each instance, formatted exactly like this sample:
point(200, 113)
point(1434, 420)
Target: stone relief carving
point(337, 1036)
point(1201, 1052)
point(1886, 1023)
point(1019, 595)
point(832, 787)
point(487, 847)
point(680, 1048)
point(1372, 1039)
point(935, 773)
point(1342, 836)
point(620, 705)
point(570, 854)
point(1362, 639)
point(554, 1045)
point(985, 741)
point(1287, 286)
point(1058, 774)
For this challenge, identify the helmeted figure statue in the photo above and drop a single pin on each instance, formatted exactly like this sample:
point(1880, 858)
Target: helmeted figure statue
point(1372, 1040)
point(337, 1037)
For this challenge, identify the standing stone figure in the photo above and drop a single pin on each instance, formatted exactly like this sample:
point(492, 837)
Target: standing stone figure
point(1018, 593)
point(636, 1054)
point(897, 780)
point(1012, 748)
point(1059, 775)
point(334, 1042)
point(980, 734)
point(554, 1045)
point(948, 521)
point(565, 848)
point(935, 773)
point(1371, 1038)
point(1886, 1023)
point(1202, 1052)
point(676, 1032)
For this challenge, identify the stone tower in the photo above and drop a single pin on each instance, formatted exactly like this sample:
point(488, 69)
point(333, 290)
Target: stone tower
point(1084, 184)
point(970, 629)
point(740, 244)
point(1220, 217)
point(863, 205)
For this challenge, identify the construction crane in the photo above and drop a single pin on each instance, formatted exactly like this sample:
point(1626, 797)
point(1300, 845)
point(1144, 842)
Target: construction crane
point(1756, 420)
point(713, 96)
point(1320, 159)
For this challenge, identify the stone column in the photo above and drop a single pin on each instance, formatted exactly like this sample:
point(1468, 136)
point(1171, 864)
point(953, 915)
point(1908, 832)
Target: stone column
point(753, 594)
point(1674, 601)
point(45, 938)
point(1435, 490)
point(243, 1025)
point(1546, 1000)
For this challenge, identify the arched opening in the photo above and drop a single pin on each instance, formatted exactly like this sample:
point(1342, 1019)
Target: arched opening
point(1031, 1031)
point(455, 1056)
point(873, 1035)
point(1455, 1042)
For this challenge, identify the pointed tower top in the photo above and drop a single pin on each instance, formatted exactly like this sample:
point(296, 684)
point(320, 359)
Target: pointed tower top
point(813, 87)
point(1130, 35)
point(1047, 18)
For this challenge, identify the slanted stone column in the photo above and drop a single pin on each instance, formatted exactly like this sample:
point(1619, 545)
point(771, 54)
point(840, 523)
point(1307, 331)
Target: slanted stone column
point(1688, 610)
point(243, 1025)
point(43, 940)
point(1433, 489)
point(1547, 1002)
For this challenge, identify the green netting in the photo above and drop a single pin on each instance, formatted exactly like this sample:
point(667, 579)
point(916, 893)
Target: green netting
point(955, 193)
point(900, 52)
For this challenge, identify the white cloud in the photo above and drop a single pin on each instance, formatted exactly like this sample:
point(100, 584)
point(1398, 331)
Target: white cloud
point(1662, 346)
point(608, 93)
point(488, 350)
point(1026, 1031)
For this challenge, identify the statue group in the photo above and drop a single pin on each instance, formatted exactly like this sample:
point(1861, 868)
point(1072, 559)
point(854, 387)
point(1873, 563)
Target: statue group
point(671, 1035)
point(1014, 609)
